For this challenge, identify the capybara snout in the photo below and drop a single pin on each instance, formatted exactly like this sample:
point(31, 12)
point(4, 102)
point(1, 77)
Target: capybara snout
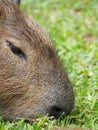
point(32, 78)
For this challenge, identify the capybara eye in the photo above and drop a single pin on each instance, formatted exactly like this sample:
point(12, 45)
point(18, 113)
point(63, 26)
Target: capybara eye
point(16, 50)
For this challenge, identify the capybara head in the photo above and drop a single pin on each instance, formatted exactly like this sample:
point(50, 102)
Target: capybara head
point(32, 78)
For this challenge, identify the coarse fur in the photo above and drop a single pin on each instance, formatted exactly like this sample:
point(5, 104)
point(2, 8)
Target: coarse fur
point(32, 78)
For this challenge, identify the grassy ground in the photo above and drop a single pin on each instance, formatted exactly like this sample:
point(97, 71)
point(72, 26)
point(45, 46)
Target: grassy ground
point(73, 28)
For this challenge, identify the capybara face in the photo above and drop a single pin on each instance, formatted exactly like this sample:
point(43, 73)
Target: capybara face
point(32, 79)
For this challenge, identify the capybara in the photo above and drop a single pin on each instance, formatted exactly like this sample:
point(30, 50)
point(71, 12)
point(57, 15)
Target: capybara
point(32, 78)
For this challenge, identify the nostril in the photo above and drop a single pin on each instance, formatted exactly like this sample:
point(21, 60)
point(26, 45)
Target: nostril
point(55, 111)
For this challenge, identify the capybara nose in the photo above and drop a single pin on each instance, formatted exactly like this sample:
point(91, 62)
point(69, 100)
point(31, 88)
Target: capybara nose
point(55, 111)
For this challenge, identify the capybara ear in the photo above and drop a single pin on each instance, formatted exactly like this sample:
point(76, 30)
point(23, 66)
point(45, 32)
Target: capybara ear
point(7, 8)
point(16, 1)
point(3, 12)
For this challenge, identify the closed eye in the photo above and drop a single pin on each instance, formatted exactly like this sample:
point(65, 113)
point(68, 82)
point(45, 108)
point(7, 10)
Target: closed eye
point(16, 50)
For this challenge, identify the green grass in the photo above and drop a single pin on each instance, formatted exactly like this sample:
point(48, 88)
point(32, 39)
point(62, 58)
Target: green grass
point(73, 28)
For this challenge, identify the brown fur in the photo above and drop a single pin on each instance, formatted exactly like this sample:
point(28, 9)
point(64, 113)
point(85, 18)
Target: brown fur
point(29, 86)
